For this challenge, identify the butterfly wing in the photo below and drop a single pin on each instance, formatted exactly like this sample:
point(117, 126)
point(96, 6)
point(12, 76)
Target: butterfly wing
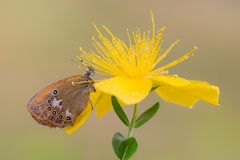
point(60, 103)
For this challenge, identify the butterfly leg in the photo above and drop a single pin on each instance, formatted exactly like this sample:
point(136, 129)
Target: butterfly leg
point(91, 103)
point(90, 88)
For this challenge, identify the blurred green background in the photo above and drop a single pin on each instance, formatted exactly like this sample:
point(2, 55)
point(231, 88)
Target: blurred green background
point(38, 39)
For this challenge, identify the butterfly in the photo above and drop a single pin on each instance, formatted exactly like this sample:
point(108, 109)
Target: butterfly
point(60, 103)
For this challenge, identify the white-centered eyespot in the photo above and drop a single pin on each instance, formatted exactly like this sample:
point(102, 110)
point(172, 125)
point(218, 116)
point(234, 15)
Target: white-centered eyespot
point(69, 118)
point(49, 101)
point(54, 113)
point(55, 91)
point(60, 116)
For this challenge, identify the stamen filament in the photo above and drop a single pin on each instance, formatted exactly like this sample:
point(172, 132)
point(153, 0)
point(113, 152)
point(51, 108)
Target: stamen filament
point(177, 61)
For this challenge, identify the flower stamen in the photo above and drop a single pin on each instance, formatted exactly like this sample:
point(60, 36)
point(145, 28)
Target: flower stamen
point(177, 61)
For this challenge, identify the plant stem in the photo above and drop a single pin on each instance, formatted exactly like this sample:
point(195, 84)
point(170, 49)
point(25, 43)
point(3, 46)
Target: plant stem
point(134, 117)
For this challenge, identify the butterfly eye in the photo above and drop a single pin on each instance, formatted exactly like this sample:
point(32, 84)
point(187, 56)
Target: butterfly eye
point(54, 113)
point(69, 118)
point(49, 101)
point(49, 108)
point(60, 116)
point(55, 91)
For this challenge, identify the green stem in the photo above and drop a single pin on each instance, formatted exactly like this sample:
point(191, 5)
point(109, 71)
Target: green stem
point(134, 117)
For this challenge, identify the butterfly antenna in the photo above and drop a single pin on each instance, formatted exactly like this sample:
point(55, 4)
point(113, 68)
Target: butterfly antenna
point(79, 65)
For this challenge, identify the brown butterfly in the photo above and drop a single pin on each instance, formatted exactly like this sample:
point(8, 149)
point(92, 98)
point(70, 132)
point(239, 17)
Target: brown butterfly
point(60, 103)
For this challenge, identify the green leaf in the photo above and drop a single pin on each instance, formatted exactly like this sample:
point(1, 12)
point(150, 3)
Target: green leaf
point(127, 148)
point(147, 115)
point(117, 139)
point(119, 111)
point(123, 147)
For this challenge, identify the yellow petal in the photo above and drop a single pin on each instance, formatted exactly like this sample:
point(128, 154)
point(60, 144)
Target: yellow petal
point(80, 120)
point(186, 92)
point(103, 105)
point(127, 90)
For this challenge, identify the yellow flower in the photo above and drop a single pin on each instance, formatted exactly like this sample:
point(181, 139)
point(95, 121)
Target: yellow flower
point(133, 70)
